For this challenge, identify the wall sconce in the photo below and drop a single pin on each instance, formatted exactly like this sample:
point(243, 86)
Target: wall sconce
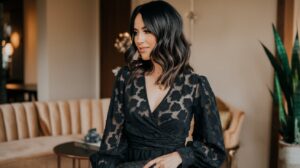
point(15, 39)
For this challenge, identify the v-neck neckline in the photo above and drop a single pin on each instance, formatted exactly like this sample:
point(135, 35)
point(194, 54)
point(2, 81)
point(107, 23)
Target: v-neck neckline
point(146, 96)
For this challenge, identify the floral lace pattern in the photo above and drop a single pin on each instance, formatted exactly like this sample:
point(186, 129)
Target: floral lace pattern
point(131, 124)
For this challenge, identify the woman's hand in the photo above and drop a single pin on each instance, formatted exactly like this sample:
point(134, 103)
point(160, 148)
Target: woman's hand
point(171, 160)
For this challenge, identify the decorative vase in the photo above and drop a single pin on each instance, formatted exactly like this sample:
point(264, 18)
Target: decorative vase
point(289, 155)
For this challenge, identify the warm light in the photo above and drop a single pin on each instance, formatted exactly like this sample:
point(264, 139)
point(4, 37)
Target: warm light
point(7, 52)
point(8, 49)
point(15, 39)
point(3, 43)
point(123, 42)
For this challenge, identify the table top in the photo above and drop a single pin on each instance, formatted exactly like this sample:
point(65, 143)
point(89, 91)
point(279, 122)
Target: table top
point(21, 87)
point(69, 149)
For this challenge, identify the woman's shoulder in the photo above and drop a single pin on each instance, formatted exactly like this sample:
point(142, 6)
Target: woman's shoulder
point(120, 70)
point(195, 78)
point(200, 83)
point(121, 73)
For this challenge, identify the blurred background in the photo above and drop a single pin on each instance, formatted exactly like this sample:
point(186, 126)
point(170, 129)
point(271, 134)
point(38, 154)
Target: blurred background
point(65, 49)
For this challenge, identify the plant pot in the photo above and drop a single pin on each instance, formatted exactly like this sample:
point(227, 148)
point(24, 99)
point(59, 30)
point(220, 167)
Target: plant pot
point(288, 155)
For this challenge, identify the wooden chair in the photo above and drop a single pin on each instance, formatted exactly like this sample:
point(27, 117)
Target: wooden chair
point(232, 132)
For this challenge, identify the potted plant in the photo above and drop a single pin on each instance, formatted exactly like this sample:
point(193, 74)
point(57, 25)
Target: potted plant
point(286, 95)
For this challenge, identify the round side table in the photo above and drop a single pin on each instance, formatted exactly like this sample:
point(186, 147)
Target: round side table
point(70, 150)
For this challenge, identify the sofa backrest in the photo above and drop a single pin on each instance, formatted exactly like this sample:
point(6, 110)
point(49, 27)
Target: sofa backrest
point(18, 121)
point(32, 119)
point(70, 117)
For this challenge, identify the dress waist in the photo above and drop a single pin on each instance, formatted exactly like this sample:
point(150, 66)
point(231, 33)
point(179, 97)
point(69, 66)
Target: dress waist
point(155, 143)
point(147, 149)
point(138, 153)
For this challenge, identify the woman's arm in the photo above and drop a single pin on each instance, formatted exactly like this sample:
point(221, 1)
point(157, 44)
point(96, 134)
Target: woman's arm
point(113, 144)
point(207, 148)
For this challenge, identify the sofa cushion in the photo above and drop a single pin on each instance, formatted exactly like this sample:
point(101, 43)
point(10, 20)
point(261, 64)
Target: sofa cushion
point(10, 123)
point(48, 161)
point(18, 121)
point(221, 104)
point(225, 117)
point(34, 147)
point(224, 112)
point(32, 119)
point(2, 128)
point(70, 117)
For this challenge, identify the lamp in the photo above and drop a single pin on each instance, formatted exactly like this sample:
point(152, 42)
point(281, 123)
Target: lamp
point(123, 42)
point(7, 52)
point(7, 47)
point(15, 39)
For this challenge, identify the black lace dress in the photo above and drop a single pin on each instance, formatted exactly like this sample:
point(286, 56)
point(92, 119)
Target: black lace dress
point(134, 135)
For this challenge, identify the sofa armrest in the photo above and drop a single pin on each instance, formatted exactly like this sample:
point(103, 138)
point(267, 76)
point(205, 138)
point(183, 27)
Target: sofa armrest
point(232, 134)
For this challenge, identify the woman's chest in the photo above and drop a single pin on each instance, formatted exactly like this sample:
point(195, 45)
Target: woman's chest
point(173, 108)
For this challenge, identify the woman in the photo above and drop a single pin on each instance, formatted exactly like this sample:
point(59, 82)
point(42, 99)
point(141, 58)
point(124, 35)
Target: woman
point(155, 98)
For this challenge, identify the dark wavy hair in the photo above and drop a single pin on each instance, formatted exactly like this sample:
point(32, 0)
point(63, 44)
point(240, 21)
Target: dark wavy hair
point(172, 51)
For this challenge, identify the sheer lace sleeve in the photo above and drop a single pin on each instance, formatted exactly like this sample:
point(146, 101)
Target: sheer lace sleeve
point(113, 144)
point(207, 148)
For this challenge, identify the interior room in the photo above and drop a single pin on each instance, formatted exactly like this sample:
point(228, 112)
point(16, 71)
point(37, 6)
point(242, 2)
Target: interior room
point(59, 60)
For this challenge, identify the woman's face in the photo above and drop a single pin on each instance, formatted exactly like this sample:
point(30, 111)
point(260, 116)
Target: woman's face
point(144, 40)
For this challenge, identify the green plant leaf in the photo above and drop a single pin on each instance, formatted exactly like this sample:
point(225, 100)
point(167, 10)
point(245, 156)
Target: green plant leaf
point(279, 100)
point(296, 63)
point(282, 127)
point(281, 53)
point(285, 86)
point(297, 131)
point(287, 79)
point(296, 109)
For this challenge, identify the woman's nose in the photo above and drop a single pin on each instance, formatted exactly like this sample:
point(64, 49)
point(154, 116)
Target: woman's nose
point(140, 38)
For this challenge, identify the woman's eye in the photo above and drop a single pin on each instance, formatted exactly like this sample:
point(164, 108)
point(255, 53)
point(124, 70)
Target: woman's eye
point(134, 33)
point(147, 31)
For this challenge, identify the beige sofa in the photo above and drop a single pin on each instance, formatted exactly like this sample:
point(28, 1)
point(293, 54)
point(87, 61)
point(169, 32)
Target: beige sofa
point(29, 131)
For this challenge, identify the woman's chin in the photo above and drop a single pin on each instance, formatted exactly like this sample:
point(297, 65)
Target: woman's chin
point(145, 57)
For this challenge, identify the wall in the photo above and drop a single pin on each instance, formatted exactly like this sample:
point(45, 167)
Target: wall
point(226, 49)
point(68, 49)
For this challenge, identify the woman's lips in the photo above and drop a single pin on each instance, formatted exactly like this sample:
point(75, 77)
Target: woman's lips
point(142, 49)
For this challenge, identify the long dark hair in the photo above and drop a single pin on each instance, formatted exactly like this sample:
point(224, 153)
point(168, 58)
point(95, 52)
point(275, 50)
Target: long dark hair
point(172, 51)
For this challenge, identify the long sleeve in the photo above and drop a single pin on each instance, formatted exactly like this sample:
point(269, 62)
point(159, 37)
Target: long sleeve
point(207, 149)
point(113, 144)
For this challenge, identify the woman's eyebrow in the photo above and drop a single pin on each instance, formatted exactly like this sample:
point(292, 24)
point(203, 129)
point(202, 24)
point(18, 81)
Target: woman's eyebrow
point(141, 28)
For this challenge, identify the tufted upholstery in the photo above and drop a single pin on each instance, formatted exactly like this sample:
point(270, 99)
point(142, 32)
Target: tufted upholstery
point(70, 117)
point(27, 120)
point(18, 121)
point(29, 131)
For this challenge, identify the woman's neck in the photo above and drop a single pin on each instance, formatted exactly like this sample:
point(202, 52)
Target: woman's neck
point(156, 72)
